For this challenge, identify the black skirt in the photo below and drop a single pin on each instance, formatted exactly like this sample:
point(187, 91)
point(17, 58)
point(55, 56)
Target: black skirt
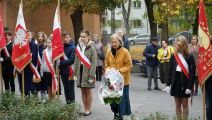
point(177, 90)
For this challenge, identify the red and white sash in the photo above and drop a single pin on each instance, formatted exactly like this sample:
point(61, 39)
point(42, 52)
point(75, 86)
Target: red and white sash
point(6, 52)
point(39, 60)
point(182, 63)
point(50, 67)
point(36, 76)
point(83, 58)
point(71, 71)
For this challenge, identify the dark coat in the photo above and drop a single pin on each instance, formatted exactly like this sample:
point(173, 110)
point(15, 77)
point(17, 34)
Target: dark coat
point(186, 83)
point(126, 43)
point(148, 52)
point(7, 66)
point(69, 50)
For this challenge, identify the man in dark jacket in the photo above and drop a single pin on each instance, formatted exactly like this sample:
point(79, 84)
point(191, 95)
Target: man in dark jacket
point(150, 53)
point(7, 66)
point(68, 83)
point(124, 39)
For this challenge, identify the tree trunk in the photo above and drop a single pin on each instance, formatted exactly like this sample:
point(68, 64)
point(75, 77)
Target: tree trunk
point(126, 16)
point(153, 25)
point(165, 30)
point(77, 22)
point(195, 24)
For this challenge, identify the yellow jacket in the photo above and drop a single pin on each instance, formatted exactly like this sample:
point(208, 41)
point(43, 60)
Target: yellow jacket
point(122, 62)
point(161, 57)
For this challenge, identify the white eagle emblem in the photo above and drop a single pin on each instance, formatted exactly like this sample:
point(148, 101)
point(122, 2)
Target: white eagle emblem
point(20, 38)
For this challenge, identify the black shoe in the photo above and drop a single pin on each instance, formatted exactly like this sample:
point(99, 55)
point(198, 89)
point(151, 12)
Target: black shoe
point(156, 88)
point(149, 89)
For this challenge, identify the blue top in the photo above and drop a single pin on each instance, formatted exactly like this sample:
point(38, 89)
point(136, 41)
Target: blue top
point(148, 52)
point(69, 50)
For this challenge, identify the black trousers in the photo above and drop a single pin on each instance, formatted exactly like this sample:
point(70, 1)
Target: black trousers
point(99, 73)
point(9, 81)
point(68, 88)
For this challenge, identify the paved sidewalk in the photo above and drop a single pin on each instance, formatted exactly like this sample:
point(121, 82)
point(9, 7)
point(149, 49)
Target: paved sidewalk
point(143, 102)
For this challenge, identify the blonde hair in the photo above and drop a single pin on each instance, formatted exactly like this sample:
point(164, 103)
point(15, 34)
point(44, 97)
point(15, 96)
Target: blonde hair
point(116, 36)
point(181, 41)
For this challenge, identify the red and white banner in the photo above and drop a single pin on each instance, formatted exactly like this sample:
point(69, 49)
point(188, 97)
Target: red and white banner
point(83, 58)
point(57, 45)
point(2, 34)
point(71, 71)
point(50, 67)
point(21, 54)
point(204, 65)
point(182, 63)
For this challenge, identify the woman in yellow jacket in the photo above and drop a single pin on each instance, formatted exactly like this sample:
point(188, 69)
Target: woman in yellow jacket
point(119, 58)
point(164, 55)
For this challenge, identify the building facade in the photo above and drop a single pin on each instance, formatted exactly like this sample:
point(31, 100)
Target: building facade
point(42, 19)
point(138, 18)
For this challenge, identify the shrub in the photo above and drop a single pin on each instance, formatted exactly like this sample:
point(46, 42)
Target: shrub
point(13, 107)
point(136, 52)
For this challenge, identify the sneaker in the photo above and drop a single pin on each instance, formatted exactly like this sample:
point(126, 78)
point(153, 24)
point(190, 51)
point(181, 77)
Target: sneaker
point(164, 90)
point(149, 89)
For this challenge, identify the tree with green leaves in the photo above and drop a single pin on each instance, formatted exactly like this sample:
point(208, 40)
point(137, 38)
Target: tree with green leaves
point(75, 8)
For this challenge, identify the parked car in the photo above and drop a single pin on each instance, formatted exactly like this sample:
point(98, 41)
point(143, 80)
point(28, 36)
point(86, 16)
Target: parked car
point(187, 34)
point(143, 38)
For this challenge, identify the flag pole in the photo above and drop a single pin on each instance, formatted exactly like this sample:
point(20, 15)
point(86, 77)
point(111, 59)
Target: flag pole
point(1, 78)
point(58, 70)
point(23, 89)
point(203, 104)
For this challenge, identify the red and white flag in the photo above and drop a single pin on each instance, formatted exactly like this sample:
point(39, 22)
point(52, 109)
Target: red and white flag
point(21, 54)
point(57, 45)
point(2, 35)
point(204, 65)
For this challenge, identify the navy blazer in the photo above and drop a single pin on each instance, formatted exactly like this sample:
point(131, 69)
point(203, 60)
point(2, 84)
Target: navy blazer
point(148, 52)
point(186, 83)
point(69, 50)
point(7, 65)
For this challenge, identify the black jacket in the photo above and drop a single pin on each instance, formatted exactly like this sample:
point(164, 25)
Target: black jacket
point(7, 65)
point(69, 50)
point(186, 83)
point(148, 52)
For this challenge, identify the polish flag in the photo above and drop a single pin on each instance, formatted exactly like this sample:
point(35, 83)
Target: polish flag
point(21, 54)
point(57, 45)
point(2, 35)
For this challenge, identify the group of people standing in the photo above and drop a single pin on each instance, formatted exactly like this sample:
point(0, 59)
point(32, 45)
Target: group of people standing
point(178, 71)
point(87, 59)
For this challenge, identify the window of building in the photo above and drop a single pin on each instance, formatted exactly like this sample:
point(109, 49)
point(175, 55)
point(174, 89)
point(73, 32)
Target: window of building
point(137, 23)
point(137, 4)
